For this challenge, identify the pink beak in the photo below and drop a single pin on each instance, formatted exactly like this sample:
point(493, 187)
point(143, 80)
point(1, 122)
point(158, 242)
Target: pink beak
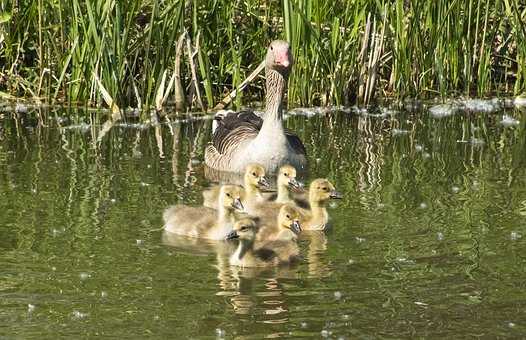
point(283, 60)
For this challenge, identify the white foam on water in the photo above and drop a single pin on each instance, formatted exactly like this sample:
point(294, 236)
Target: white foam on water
point(482, 105)
point(520, 101)
point(443, 110)
point(509, 121)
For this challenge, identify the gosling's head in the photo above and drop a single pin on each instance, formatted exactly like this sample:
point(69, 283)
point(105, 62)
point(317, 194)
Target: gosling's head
point(322, 190)
point(289, 218)
point(287, 177)
point(279, 57)
point(230, 197)
point(245, 229)
point(255, 176)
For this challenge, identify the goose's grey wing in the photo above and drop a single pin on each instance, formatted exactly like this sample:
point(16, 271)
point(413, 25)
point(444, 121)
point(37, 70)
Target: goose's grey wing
point(234, 128)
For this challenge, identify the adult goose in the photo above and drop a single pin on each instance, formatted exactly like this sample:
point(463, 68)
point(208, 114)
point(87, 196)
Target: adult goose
point(243, 137)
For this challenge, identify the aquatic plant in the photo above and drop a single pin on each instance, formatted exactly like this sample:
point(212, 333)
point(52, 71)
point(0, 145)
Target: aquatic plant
point(345, 51)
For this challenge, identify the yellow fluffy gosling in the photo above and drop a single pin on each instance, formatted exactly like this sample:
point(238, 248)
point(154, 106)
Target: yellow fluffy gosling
point(320, 192)
point(254, 180)
point(286, 228)
point(269, 254)
point(205, 222)
point(286, 181)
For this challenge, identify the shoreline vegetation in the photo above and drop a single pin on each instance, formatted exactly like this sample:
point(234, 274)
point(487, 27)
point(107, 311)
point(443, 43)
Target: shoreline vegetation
point(145, 54)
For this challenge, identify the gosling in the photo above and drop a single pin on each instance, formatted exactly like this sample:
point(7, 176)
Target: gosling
point(320, 192)
point(286, 228)
point(286, 182)
point(254, 180)
point(205, 222)
point(269, 254)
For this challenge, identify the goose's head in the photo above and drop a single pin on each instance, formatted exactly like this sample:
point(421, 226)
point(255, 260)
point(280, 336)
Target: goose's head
point(289, 217)
point(287, 177)
point(279, 57)
point(230, 197)
point(255, 176)
point(321, 190)
point(244, 229)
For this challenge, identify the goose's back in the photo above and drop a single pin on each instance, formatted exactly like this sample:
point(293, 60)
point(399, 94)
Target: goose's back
point(233, 134)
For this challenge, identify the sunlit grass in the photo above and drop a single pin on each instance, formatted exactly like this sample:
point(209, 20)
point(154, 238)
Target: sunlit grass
point(344, 51)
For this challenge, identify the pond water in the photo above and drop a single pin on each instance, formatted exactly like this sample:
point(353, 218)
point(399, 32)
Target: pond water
point(429, 240)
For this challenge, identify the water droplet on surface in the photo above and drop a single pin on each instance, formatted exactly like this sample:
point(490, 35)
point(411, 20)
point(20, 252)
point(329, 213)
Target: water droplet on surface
point(419, 147)
point(220, 333)
point(103, 294)
point(514, 236)
point(351, 261)
point(360, 239)
point(423, 205)
point(325, 333)
point(338, 295)
point(303, 324)
point(511, 324)
point(113, 200)
point(398, 132)
point(30, 308)
point(84, 276)
point(455, 189)
point(78, 315)
point(139, 242)
point(144, 184)
point(440, 236)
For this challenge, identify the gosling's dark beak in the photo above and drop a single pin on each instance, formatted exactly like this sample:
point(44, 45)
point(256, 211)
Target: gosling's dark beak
point(296, 227)
point(232, 235)
point(336, 195)
point(263, 182)
point(238, 205)
point(295, 184)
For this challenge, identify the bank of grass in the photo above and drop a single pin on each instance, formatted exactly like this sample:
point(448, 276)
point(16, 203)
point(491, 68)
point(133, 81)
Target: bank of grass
point(345, 51)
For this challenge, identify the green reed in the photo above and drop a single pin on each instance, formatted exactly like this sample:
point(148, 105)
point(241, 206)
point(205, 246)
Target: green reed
point(344, 51)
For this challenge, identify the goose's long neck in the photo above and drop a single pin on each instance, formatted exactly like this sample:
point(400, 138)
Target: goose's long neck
point(244, 248)
point(276, 84)
point(283, 193)
point(225, 215)
point(318, 210)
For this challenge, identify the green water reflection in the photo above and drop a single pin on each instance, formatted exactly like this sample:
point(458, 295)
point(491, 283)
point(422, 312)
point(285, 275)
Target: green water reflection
point(429, 240)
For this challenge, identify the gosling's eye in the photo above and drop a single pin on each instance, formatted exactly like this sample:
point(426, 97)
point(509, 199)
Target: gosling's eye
point(243, 229)
point(286, 174)
point(326, 189)
point(288, 216)
point(254, 174)
point(271, 48)
point(228, 195)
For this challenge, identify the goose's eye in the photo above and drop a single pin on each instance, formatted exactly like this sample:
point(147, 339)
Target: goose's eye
point(271, 48)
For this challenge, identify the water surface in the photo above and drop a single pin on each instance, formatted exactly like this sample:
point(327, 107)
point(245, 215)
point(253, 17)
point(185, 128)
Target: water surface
point(429, 240)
